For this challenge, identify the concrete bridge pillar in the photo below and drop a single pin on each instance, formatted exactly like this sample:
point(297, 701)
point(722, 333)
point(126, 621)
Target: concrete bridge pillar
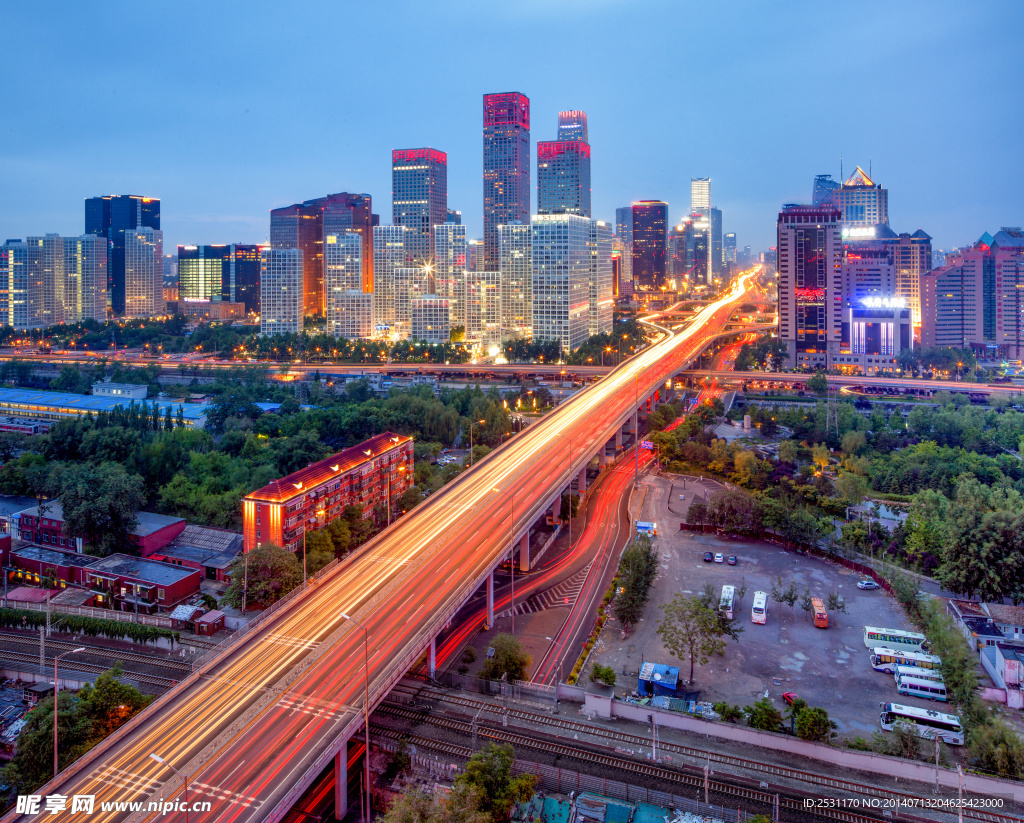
point(556, 508)
point(432, 658)
point(581, 481)
point(524, 552)
point(618, 439)
point(490, 601)
point(602, 457)
point(341, 782)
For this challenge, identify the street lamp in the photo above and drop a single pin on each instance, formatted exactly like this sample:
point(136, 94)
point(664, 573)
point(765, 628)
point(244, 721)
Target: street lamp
point(56, 689)
point(512, 551)
point(366, 709)
point(568, 476)
point(473, 423)
point(182, 775)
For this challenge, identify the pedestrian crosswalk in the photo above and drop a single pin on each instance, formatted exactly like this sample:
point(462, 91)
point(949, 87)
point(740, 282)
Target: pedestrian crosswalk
point(563, 595)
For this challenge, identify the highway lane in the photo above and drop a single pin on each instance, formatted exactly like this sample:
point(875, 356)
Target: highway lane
point(855, 380)
point(402, 586)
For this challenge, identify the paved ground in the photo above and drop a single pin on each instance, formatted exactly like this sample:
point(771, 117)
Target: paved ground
point(828, 668)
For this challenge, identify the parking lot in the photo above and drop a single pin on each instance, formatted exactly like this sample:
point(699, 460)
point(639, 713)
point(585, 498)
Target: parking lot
point(826, 667)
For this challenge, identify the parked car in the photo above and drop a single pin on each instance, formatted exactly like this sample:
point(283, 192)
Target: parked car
point(708, 557)
point(719, 558)
point(732, 560)
point(867, 585)
point(790, 697)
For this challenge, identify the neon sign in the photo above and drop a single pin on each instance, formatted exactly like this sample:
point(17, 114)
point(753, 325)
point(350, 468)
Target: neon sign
point(412, 155)
point(885, 302)
point(860, 232)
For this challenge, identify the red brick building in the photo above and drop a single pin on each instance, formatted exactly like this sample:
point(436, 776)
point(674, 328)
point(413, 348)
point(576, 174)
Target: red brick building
point(46, 528)
point(307, 500)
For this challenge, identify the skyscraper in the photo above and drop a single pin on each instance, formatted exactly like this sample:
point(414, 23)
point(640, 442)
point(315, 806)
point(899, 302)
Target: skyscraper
point(347, 315)
point(483, 309)
point(700, 194)
point(515, 241)
point(241, 281)
point(715, 245)
point(729, 248)
point(601, 290)
point(419, 190)
point(862, 201)
point(506, 167)
point(110, 216)
point(810, 293)
point(561, 279)
point(450, 269)
point(388, 257)
point(85, 267)
point(143, 272)
point(201, 271)
point(624, 245)
point(825, 190)
point(912, 257)
point(563, 168)
point(281, 291)
point(344, 212)
point(410, 282)
point(649, 242)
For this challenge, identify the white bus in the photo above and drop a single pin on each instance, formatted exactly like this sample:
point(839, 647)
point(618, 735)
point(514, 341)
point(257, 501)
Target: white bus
point(759, 611)
point(886, 660)
point(919, 687)
point(894, 639)
point(924, 722)
point(933, 675)
point(725, 604)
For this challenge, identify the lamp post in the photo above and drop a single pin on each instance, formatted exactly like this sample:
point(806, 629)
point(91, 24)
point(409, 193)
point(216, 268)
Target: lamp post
point(568, 476)
point(512, 551)
point(182, 775)
point(473, 423)
point(56, 689)
point(366, 709)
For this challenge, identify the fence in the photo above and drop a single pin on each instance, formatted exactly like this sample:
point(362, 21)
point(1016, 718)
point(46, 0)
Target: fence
point(89, 611)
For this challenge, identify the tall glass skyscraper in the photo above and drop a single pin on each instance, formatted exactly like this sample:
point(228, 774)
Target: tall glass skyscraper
point(650, 241)
point(281, 291)
point(110, 216)
point(700, 194)
point(561, 278)
point(624, 245)
point(419, 199)
point(602, 298)
point(143, 272)
point(863, 202)
point(506, 167)
point(516, 271)
point(450, 269)
point(388, 258)
point(563, 168)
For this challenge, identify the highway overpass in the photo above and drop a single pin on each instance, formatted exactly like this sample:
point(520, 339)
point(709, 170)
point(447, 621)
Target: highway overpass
point(905, 384)
point(255, 725)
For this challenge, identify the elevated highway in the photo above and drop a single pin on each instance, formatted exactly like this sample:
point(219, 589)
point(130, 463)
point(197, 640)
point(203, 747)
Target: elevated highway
point(255, 725)
point(906, 384)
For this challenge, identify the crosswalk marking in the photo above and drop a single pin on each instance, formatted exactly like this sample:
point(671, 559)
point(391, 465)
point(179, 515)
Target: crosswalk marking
point(295, 642)
point(563, 595)
point(222, 794)
point(125, 780)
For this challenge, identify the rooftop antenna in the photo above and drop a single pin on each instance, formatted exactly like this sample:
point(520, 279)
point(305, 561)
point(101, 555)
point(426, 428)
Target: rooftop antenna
point(871, 172)
point(840, 168)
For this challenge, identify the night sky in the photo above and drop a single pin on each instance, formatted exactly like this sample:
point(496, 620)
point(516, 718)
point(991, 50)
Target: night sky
point(225, 110)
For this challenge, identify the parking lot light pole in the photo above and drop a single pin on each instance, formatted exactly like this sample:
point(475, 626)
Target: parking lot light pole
point(56, 689)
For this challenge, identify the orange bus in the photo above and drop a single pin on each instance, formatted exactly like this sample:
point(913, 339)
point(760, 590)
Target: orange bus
point(820, 615)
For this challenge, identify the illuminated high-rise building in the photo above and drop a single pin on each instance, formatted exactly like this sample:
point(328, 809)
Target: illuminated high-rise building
point(450, 269)
point(281, 291)
point(624, 245)
point(419, 199)
point(143, 272)
point(912, 257)
point(862, 201)
point(85, 271)
point(343, 278)
point(700, 194)
point(516, 269)
point(649, 243)
point(110, 216)
point(410, 282)
point(825, 191)
point(506, 167)
point(388, 257)
point(729, 248)
point(346, 212)
point(563, 168)
point(601, 289)
point(561, 279)
point(201, 271)
point(483, 309)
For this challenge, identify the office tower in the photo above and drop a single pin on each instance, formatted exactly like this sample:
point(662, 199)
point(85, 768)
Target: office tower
point(649, 242)
point(715, 242)
point(110, 216)
point(561, 279)
point(1007, 253)
point(143, 272)
point(866, 274)
point(201, 271)
point(563, 168)
point(300, 226)
point(515, 242)
point(676, 258)
point(863, 202)
point(624, 243)
point(343, 276)
point(409, 282)
point(825, 192)
point(46, 268)
point(483, 309)
point(810, 301)
point(281, 291)
point(506, 167)
point(698, 250)
point(912, 257)
point(616, 268)
point(419, 184)
point(430, 319)
point(729, 248)
point(700, 194)
point(450, 269)
point(242, 278)
point(171, 270)
point(345, 212)
point(601, 292)
point(453, 216)
point(474, 254)
point(388, 257)
point(13, 279)
point(85, 267)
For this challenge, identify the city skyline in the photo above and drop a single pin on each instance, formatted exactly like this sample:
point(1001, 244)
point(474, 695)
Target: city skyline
point(219, 183)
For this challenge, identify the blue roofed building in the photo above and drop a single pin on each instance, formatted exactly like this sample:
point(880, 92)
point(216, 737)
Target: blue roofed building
point(52, 406)
point(657, 679)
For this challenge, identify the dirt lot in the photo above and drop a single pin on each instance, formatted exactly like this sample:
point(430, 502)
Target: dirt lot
point(826, 667)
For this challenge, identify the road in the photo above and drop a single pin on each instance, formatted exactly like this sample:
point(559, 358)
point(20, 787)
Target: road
point(254, 727)
point(854, 380)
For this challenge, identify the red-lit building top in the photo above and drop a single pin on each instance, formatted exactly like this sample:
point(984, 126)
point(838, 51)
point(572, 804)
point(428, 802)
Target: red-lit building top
point(413, 155)
point(548, 149)
point(512, 109)
point(307, 500)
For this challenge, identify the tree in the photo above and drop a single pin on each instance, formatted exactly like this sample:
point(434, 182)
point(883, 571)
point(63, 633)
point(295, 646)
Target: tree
point(777, 592)
point(462, 805)
point(821, 456)
point(510, 659)
point(101, 504)
point(813, 723)
point(835, 603)
point(272, 573)
point(637, 569)
point(788, 452)
point(764, 716)
point(818, 384)
point(490, 773)
point(108, 703)
point(604, 674)
point(409, 500)
point(853, 442)
point(691, 629)
point(853, 488)
point(805, 602)
point(996, 747)
point(985, 554)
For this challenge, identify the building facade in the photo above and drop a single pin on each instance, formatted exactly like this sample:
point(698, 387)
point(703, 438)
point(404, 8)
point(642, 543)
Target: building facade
point(624, 245)
point(388, 257)
point(483, 309)
point(373, 475)
point(506, 169)
point(561, 278)
point(419, 192)
point(110, 216)
point(410, 282)
point(649, 244)
point(343, 277)
point(601, 288)
point(862, 201)
point(515, 242)
point(450, 269)
point(281, 291)
point(350, 315)
point(563, 168)
point(810, 294)
point(430, 321)
point(143, 273)
point(912, 257)
point(85, 267)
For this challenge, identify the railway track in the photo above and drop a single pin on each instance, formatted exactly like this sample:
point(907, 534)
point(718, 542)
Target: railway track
point(624, 739)
point(149, 679)
point(100, 651)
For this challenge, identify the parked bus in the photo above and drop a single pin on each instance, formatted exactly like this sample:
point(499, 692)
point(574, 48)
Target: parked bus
point(923, 722)
point(759, 611)
point(886, 660)
point(934, 675)
point(725, 604)
point(820, 615)
point(894, 639)
point(919, 687)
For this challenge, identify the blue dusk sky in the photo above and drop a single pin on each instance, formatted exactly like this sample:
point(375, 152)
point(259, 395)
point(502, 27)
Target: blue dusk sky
point(227, 109)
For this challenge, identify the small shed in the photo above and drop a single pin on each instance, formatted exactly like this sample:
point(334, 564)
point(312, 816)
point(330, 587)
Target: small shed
point(38, 691)
point(210, 623)
point(658, 679)
point(183, 616)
